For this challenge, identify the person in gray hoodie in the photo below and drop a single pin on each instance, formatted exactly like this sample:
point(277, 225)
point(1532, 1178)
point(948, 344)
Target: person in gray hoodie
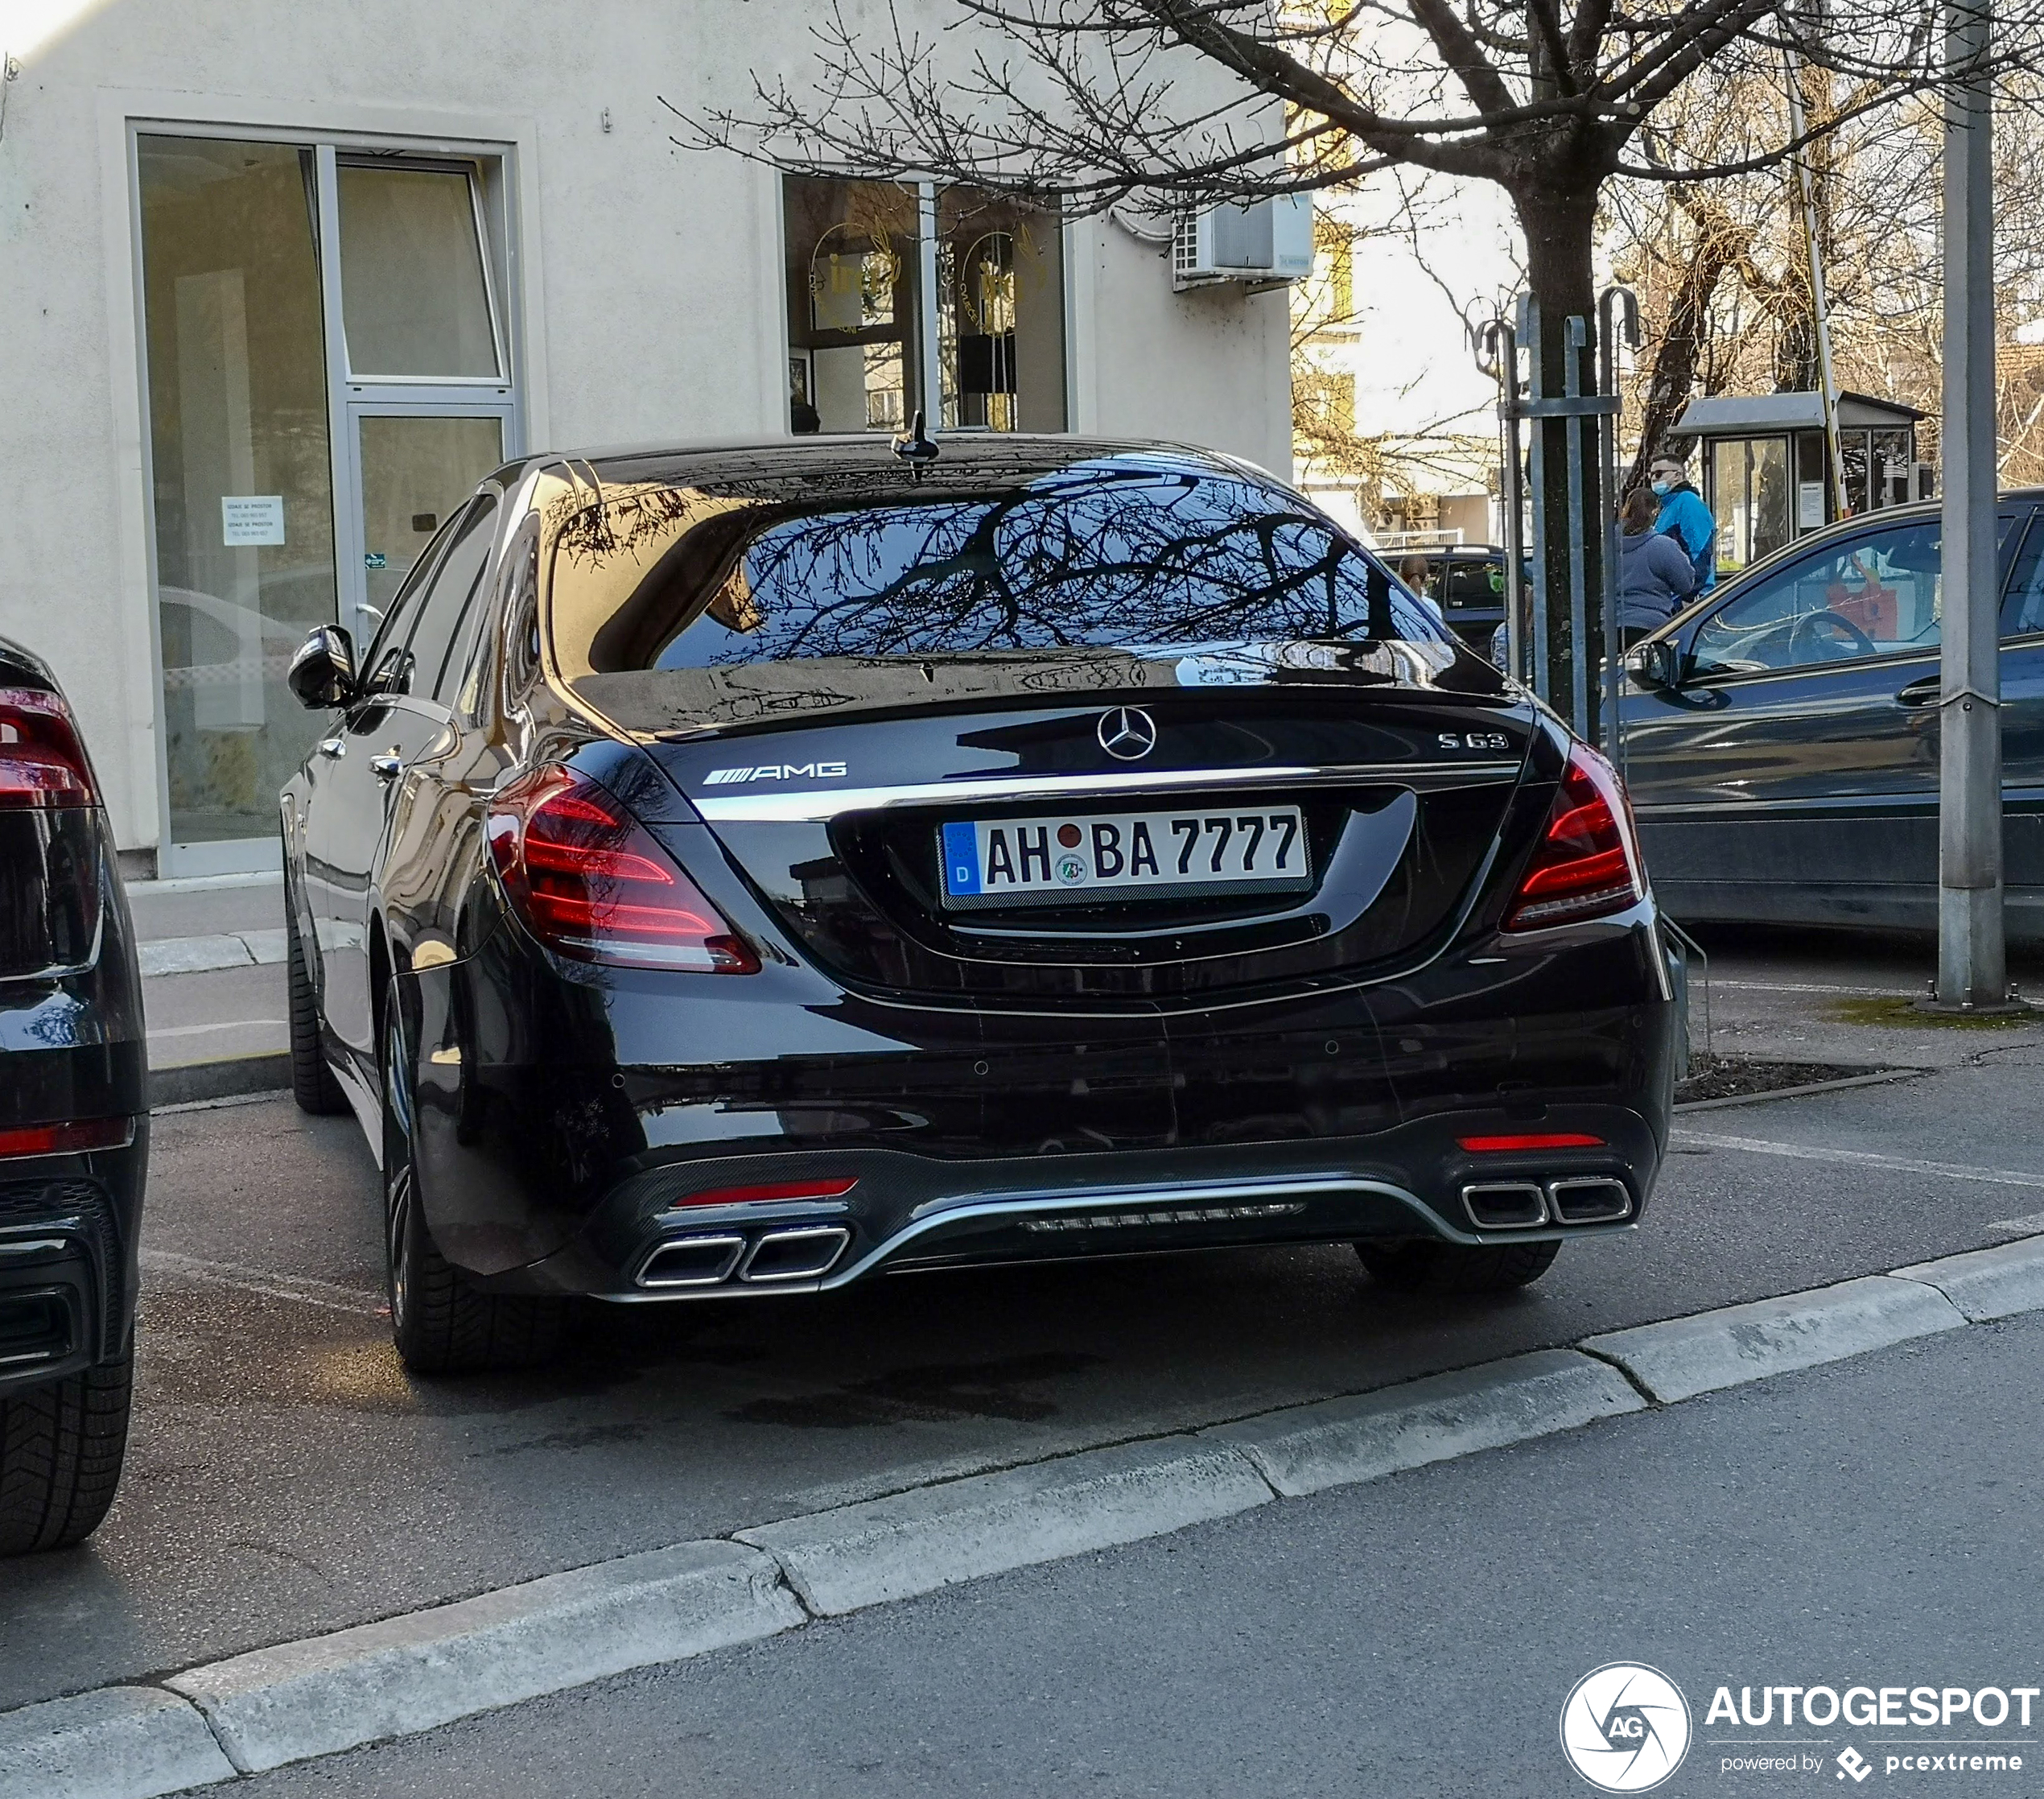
point(1655, 579)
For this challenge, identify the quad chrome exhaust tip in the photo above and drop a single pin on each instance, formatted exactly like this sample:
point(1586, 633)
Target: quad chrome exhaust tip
point(799, 1253)
point(1525, 1205)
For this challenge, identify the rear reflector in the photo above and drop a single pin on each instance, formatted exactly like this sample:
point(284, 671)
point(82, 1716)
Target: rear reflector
point(41, 763)
point(1588, 863)
point(64, 1140)
point(1533, 1140)
point(834, 1189)
point(590, 881)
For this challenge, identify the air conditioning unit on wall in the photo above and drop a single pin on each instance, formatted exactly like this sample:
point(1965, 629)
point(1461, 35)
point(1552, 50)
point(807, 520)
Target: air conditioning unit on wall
point(1266, 240)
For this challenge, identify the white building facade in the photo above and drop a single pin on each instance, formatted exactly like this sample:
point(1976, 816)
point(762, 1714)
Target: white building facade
point(279, 284)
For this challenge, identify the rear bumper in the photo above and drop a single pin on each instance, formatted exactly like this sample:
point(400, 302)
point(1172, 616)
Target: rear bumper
point(907, 1213)
point(565, 1125)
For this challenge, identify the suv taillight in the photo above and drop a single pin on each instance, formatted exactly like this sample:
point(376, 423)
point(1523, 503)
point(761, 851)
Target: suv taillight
point(1588, 863)
point(590, 881)
point(41, 763)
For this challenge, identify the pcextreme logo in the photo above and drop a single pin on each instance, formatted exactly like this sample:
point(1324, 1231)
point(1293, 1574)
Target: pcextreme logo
point(1624, 1728)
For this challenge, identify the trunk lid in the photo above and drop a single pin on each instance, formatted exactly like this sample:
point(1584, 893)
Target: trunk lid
point(829, 782)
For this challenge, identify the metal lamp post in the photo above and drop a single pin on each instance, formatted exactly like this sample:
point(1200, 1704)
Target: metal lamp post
point(1972, 968)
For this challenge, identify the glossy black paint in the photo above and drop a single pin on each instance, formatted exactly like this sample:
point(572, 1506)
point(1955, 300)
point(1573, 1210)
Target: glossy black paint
point(1343, 1039)
point(1810, 795)
point(72, 1050)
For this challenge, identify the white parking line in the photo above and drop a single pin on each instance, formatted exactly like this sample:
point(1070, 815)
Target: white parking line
point(1903, 1165)
point(196, 1030)
point(327, 1295)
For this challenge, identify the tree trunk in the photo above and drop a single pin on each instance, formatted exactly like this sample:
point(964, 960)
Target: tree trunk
point(1674, 376)
point(1558, 220)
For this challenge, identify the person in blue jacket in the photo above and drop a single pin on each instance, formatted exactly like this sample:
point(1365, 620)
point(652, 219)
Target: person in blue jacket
point(1686, 519)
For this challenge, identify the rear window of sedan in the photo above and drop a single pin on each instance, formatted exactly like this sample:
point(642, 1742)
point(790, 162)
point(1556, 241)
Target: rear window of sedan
point(1096, 554)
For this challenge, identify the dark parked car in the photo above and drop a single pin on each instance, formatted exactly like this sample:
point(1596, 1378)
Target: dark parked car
point(745, 871)
point(1781, 738)
point(74, 1126)
point(1469, 585)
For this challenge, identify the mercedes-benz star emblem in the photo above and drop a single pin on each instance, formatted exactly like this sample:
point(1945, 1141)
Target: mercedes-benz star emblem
point(1127, 732)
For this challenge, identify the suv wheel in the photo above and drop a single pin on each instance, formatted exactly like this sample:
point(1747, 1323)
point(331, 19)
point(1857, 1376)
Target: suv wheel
point(313, 1084)
point(61, 1446)
point(442, 1324)
point(1421, 1264)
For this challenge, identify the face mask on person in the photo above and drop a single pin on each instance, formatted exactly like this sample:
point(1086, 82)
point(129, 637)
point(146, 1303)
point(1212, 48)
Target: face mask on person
point(1661, 486)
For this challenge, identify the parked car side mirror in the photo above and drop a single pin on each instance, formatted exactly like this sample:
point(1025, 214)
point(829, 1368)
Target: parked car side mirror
point(322, 674)
point(1658, 664)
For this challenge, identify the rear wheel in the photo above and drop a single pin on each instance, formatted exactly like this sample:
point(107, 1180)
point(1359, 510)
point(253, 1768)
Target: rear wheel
point(313, 1084)
point(61, 1447)
point(1421, 1264)
point(442, 1324)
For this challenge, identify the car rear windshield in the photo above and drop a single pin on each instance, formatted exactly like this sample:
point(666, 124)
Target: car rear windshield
point(1095, 555)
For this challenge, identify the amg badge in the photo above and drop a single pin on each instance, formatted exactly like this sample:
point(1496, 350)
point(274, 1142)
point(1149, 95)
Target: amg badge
point(777, 771)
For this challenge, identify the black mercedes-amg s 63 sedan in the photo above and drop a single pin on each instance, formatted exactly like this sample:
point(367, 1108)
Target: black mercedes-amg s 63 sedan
point(746, 870)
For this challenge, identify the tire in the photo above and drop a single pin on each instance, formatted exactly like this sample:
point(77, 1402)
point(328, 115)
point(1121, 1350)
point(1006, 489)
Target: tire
point(61, 1447)
point(1420, 1264)
point(442, 1324)
point(313, 1084)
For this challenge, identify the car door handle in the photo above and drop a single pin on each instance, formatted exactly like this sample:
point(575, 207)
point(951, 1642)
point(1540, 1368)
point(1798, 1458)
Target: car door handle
point(332, 746)
point(1921, 693)
point(386, 768)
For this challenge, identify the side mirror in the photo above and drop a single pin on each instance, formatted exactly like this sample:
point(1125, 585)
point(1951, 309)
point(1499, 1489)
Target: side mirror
point(322, 674)
point(1658, 664)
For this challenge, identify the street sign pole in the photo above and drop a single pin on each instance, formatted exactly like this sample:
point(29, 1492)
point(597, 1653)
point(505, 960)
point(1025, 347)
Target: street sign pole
point(1972, 970)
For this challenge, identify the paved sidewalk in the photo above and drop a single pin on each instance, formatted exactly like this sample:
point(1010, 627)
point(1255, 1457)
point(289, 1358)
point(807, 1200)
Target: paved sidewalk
point(212, 967)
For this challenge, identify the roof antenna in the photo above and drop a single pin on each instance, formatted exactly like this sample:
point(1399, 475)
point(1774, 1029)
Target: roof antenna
point(916, 449)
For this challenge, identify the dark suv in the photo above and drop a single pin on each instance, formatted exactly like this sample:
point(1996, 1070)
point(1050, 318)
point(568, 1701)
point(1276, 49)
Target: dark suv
point(74, 1126)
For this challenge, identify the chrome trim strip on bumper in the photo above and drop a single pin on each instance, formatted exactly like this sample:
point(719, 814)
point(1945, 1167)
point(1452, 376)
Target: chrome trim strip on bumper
point(814, 804)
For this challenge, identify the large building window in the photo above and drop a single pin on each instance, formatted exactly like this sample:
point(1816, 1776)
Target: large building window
point(906, 297)
point(328, 376)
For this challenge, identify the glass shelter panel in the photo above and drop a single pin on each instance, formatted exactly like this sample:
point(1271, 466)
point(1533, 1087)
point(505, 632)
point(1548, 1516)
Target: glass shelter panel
point(243, 493)
point(415, 295)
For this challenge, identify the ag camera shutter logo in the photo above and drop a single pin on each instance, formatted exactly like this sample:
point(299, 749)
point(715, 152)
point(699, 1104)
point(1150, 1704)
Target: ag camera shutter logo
point(1625, 1728)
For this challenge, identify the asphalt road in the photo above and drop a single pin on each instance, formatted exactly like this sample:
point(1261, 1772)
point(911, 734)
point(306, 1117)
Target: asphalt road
point(287, 1477)
point(1869, 1523)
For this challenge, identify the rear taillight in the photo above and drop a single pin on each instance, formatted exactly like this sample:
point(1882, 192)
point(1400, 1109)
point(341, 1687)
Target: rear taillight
point(62, 1140)
point(835, 1188)
point(589, 880)
point(41, 763)
point(1588, 863)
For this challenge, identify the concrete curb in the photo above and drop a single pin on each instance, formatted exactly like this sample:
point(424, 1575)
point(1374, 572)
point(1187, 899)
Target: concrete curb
point(120, 1743)
point(1686, 1356)
point(1338, 1441)
point(418, 1672)
point(1986, 1283)
point(227, 1078)
point(890, 1548)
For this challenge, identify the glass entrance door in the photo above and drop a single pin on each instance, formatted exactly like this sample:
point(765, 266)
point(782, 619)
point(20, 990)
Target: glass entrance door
point(330, 373)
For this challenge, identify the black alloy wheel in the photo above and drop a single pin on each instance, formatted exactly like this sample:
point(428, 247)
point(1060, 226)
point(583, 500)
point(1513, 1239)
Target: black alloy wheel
point(1421, 1264)
point(313, 1084)
point(442, 1324)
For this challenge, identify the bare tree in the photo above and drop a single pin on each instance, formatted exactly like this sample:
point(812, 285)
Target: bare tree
point(1171, 102)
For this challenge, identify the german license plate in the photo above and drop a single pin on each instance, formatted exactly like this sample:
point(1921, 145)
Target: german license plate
point(1046, 861)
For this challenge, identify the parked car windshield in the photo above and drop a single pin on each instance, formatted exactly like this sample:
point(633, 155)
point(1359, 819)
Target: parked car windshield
point(1100, 554)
